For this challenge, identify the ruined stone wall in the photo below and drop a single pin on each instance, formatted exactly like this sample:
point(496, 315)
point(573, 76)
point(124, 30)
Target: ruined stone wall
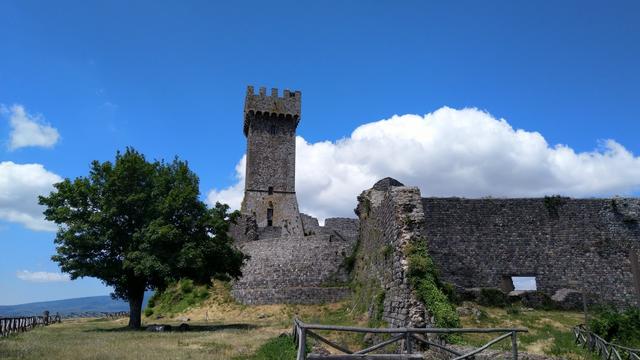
point(564, 243)
point(294, 270)
point(346, 228)
point(390, 217)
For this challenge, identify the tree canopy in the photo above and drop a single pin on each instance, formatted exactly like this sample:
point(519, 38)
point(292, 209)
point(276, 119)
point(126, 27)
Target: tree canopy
point(139, 225)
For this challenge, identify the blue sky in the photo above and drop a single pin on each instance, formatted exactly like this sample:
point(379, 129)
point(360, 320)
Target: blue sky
point(169, 78)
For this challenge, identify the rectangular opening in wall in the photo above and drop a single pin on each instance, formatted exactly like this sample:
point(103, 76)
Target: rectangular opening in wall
point(270, 190)
point(524, 283)
point(269, 217)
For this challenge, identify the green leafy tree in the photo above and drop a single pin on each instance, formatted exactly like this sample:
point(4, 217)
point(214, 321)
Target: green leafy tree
point(139, 225)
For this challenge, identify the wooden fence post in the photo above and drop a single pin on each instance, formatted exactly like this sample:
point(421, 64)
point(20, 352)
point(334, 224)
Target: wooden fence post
point(407, 343)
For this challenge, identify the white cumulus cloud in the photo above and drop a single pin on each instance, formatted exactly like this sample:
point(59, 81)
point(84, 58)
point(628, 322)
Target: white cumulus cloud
point(449, 152)
point(20, 185)
point(233, 194)
point(28, 130)
point(41, 276)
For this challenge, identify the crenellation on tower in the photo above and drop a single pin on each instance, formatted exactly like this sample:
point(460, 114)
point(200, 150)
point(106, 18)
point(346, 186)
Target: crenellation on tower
point(260, 105)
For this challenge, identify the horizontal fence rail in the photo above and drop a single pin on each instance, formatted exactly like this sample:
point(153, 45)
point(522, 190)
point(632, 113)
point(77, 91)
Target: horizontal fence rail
point(11, 325)
point(410, 340)
point(605, 349)
point(97, 314)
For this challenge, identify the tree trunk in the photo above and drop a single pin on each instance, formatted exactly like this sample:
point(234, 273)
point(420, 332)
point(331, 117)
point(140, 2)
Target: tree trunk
point(135, 309)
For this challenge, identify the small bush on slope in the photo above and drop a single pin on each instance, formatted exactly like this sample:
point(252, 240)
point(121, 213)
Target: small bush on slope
point(620, 327)
point(176, 298)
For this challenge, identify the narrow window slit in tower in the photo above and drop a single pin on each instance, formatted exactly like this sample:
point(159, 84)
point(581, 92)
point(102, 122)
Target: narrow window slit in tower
point(270, 190)
point(269, 217)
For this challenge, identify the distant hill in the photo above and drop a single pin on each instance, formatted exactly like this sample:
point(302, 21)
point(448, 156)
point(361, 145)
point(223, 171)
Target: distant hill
point(78, 306)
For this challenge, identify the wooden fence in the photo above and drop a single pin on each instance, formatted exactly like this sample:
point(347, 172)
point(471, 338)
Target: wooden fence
point(605, 349)
point(11, 325)
point(97, 314)
point(409, 338)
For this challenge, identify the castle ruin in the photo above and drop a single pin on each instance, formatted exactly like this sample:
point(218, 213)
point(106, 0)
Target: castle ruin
point(568, 245)
point(293, 258)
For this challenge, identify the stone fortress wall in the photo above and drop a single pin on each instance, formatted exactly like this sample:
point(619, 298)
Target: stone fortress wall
point(580, 244)
point(301, 270)
point(567, 244)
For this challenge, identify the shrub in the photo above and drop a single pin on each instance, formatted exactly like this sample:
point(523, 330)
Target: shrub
point(148, 311)
point(152, 301)
point(387, 251)
point(492, 297)
point(513, 309)
point(375, 319)
point(424, 278)
point(186, 285)
point(451, 293)
point(538, 300)
point(349, 262)
point(278, 348)
point(622, 327)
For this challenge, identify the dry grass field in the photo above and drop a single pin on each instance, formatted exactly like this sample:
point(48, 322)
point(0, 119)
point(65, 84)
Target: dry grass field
point(222, 329)
point(232, 332)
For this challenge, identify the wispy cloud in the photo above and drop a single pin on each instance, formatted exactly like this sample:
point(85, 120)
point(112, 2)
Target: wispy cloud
point(41, 276)
point(27, 129)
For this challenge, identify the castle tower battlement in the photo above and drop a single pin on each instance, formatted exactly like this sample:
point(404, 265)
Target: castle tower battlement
point(270, 123)
point(262, 105)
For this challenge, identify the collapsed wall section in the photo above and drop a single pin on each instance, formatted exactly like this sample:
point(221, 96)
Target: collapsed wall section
point(565, 243)
point(391, 217)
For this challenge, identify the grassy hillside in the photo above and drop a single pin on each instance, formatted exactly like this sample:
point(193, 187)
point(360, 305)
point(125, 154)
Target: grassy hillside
point(176, 299)
point(549, 331)
point(223, 329)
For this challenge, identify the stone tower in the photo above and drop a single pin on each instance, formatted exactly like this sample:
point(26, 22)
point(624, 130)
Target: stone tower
point(270, 123)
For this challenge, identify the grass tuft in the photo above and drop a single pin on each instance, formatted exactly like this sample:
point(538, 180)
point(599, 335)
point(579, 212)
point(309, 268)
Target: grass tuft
point(278, 348)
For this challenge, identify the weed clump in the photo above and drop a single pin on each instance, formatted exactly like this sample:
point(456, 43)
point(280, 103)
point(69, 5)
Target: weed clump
point(424, 278)
point(492, 298)
point(618, 326)
point(281, 347)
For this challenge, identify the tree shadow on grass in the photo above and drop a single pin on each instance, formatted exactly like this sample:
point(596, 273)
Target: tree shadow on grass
point(175, 328)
